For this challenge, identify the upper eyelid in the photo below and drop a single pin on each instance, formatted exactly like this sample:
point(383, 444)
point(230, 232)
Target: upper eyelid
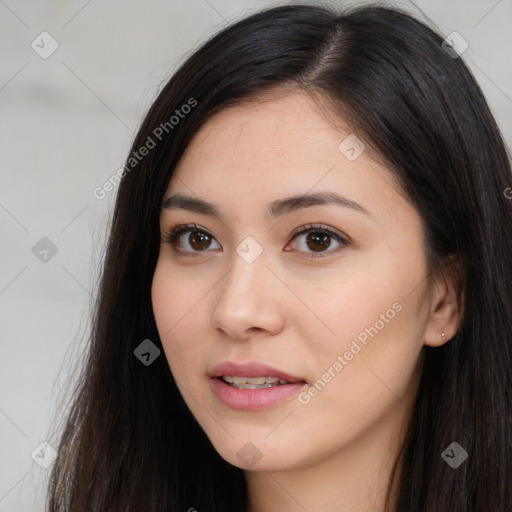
point(320, 227)
point(179, 229)
point(306, 227)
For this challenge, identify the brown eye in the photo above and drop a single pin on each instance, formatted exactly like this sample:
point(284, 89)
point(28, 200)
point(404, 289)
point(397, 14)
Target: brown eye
point(318, 240)
point(197, 240)
point(316, 244)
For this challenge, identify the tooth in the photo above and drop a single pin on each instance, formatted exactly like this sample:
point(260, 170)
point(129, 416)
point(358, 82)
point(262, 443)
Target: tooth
point(253, 386)
point(248, 380)
point(282, 381)
point(255, 380)
point(271, 380)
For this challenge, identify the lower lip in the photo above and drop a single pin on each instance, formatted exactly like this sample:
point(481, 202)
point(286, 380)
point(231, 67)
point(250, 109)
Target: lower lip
point(253, 399)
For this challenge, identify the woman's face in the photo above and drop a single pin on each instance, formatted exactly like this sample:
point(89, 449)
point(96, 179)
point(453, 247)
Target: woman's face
point(328, 294)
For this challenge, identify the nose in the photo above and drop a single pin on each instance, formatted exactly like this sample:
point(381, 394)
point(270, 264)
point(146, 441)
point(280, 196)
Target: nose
point(249, 300)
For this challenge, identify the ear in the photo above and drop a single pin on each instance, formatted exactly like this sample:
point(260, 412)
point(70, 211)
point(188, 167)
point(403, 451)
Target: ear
point(446, 309)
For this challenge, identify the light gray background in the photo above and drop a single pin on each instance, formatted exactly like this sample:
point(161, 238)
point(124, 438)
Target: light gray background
point(66, 125)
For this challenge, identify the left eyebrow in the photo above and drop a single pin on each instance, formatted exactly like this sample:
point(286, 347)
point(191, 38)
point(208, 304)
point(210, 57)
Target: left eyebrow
point(274, 209)
point(289, 204)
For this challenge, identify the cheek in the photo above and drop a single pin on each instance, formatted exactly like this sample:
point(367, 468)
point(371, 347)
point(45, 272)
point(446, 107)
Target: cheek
point(378, 332)
point(349, 306)
point(163, 293)
point(373, 331)
point(175, 302)
point(365, 374)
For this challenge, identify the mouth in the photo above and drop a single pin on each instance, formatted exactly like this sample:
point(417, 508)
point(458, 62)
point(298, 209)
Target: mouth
point(253, 382)
point(252, 373)
point(253, 386)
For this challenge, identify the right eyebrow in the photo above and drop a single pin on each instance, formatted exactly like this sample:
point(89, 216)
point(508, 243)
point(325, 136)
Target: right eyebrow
point(274, 209)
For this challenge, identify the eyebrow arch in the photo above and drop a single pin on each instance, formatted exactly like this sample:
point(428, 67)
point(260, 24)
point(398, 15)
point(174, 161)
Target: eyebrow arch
point(274, 209)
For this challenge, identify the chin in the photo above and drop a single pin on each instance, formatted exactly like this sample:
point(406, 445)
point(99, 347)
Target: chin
point(259, 454)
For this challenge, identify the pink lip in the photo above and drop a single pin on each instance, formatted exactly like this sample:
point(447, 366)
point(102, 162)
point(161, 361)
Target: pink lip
point(253, 369)
point(252, 399)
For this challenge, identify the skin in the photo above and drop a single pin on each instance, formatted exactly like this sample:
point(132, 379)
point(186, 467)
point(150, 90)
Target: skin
point(295, 312)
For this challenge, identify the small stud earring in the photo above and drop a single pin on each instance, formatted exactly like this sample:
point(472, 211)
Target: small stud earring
point(443, 336)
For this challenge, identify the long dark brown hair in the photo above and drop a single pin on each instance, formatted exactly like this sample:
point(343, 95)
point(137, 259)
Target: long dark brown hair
point(131, 444)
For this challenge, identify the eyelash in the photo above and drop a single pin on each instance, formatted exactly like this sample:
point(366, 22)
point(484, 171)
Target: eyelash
point(174, 233)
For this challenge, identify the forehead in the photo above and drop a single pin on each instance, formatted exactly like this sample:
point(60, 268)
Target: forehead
point(277, 146)
point(283, 126)
point(265, 139)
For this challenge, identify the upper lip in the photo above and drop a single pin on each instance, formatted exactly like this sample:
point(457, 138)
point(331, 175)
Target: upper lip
point(252, 369)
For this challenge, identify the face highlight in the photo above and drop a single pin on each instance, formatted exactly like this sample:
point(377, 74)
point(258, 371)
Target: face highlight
point(328, 288)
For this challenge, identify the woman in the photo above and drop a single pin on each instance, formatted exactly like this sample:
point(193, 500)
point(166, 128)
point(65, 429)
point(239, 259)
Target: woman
point(304, 303)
